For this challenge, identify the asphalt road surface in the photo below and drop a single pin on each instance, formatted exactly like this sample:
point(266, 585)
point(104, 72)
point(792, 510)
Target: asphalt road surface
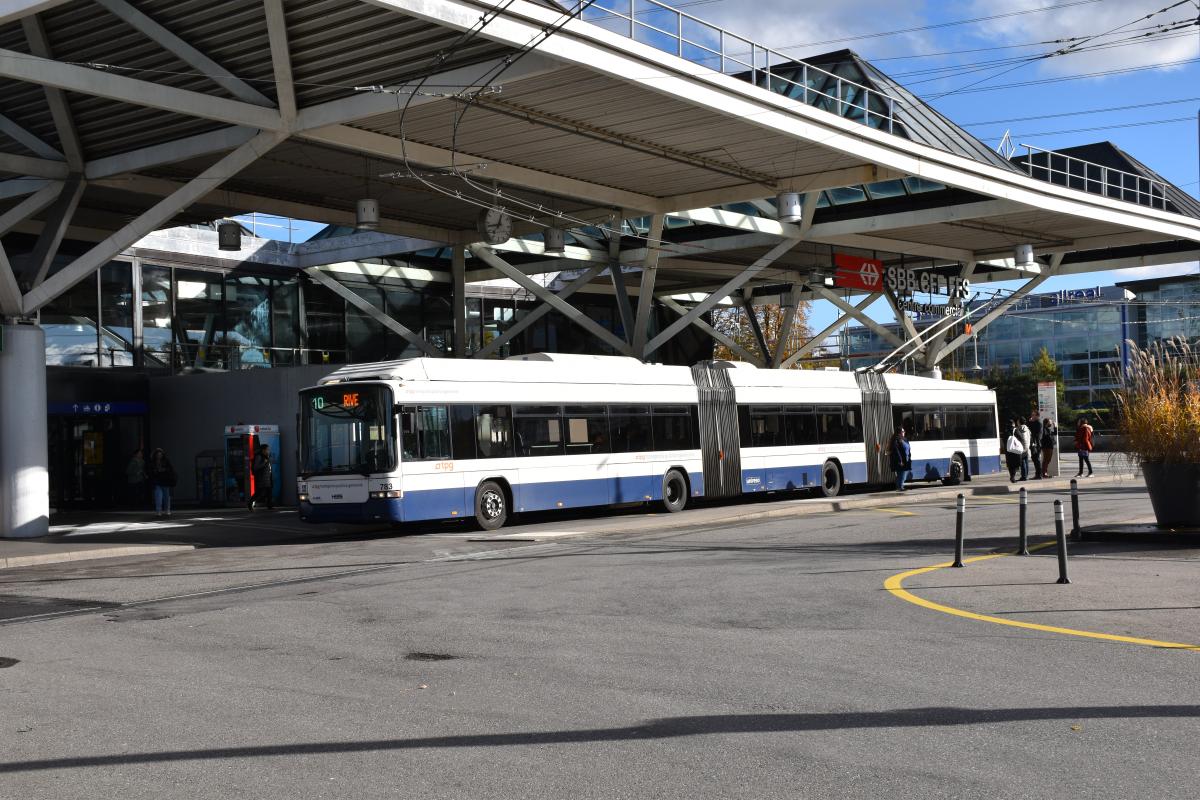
point(607, 658)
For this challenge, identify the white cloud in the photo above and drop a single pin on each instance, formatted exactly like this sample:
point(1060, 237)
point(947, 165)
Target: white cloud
point(1088, 19)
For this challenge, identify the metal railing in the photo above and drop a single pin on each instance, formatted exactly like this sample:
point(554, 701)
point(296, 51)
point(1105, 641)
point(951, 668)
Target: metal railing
point(670, 30)
point(1076, 173)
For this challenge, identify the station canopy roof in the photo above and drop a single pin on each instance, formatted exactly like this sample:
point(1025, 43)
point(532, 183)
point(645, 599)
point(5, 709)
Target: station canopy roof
point(124, 116)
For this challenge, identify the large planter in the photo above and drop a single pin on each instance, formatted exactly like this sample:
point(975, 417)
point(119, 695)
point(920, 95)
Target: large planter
point(1174, 493)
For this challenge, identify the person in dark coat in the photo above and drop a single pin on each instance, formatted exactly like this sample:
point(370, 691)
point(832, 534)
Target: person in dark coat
point(1014, 450)
point(163, 479)
point(1035, 443)
point(264, 478)
point(900, 453)
point(1049, 445)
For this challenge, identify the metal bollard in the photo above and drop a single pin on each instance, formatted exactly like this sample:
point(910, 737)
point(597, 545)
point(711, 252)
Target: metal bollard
point(1062, 542)
point(1075, 509)
point(958, 531)
point(1023, 541)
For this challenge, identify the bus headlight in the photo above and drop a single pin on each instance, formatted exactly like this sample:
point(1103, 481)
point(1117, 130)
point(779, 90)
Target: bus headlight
point(302, 497)
point(394, 494)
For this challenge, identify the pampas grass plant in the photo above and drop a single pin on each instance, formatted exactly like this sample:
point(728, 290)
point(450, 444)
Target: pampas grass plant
point(1159, 403)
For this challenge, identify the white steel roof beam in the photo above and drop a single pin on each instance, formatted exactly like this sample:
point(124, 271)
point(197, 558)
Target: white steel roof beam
point(883, 332)
point(54, 228)
point(64, 124)
point(281, 59)
point(10, 292)
point(792, 305)
point(645, 304)
point(362, 304)
point(26, 139)
point(815, 341)
point(37, 167)
point(483, 252)
point(720, 294)
point(1007, 303)
point(84, 80)
point(186, 52)
point(19, 187)
point(11, 10)
point(152, 219)
point(201, 144)
point(439, 158)
point(713, 332)
point(537, 313)
point(29, 206)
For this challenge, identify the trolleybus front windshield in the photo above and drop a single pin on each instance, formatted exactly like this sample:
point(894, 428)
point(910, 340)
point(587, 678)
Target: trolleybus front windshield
point(346, 429)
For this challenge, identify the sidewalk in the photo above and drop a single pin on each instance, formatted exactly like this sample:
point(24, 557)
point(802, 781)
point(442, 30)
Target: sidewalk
point(76, 536)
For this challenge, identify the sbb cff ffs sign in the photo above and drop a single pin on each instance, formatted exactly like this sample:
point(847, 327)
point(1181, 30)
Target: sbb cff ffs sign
point(869, 275)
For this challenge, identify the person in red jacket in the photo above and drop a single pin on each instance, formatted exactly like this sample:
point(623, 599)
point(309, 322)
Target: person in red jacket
point(1083, 446)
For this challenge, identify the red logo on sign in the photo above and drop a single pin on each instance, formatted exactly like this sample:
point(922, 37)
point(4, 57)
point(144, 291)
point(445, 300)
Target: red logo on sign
point(854, 272)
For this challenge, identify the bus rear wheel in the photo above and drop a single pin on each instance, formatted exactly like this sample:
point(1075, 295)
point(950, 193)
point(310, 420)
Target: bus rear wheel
point(958, 470)
point(674, 492)
point(831, 479)
point(491, 506)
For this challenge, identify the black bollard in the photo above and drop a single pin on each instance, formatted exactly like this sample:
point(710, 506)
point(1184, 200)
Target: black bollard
point(958, 531)
point(1062, 542)
point(1075, 509)
point(1023, 542)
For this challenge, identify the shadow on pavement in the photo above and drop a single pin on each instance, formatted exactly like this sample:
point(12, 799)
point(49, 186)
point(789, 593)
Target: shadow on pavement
point(671, 727)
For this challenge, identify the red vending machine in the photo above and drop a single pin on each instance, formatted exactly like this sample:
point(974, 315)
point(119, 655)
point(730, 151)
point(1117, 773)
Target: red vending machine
point(241, 443)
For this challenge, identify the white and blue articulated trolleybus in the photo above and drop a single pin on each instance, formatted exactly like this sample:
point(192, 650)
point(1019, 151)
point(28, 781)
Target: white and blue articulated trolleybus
point(426, 439)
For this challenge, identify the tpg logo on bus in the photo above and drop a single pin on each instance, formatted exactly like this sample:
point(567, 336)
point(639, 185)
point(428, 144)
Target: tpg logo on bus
point(905, 281)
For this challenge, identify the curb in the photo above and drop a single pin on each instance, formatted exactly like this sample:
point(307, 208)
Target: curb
point(60, 556)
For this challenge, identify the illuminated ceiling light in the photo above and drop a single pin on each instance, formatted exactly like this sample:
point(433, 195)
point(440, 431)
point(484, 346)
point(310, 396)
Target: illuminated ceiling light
point(789, 207)
point(1023, 256)
point(366, 214)
point(555, 241)
point(229, 235)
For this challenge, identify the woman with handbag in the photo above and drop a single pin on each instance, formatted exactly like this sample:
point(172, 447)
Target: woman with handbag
point(1014, 452)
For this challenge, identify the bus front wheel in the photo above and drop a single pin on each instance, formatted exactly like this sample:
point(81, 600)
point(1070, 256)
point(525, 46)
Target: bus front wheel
point(831, 479)
point(491, 506)
point(674, 491)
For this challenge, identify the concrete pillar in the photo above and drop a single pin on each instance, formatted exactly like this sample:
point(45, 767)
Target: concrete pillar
point(933, 372)
point(24, 479)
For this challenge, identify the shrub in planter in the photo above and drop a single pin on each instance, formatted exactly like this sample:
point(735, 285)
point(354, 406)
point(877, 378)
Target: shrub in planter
point(1159, 423)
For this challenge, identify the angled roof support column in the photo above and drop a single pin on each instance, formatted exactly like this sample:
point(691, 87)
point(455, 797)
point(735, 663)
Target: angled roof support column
point(64, 123)
point(29, 206)
point(365, 306)
point(23, 137)
point(743, 300)
point(190, 55)
point(815, 341)
point(934, 350)
point(628, 322)
point(905, 321)
point(542, 310)
point(281, 59)
point(729, 342)
point(641, 325)
point(203, 144)
point(54, 228)
point(791, 308)
point(720, 294)
point(458, 296)
point(10, 293)
point(1007, 303)
point(19, 187)
point(883, 332)
point(485, 253)
point(152, 219)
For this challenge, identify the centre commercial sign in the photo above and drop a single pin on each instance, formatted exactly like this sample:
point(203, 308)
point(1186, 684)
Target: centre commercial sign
point(870, 275)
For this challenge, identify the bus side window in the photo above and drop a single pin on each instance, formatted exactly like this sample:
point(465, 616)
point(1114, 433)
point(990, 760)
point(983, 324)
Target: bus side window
point(462, 429)
point(493, 431)
point(409, 446)
point(854, 432)
point(434, 424)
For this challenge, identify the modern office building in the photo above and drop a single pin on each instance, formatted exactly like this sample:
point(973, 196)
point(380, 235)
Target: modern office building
point(1085, 330)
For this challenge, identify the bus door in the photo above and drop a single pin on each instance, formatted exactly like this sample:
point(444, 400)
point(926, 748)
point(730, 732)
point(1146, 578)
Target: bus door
point(877, 426)
point(720, 442)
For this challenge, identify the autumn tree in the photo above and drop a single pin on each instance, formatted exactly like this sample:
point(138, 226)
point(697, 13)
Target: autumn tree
point(734, 322)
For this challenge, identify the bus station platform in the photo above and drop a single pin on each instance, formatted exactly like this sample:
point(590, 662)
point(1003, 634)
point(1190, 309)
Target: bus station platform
point(84, 535)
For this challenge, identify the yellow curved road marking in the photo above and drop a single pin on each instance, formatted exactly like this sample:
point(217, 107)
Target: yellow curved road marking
point(895, 585)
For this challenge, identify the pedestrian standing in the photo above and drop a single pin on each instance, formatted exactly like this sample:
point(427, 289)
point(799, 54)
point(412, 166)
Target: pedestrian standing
point(163, 479)
point(135, 479)
point(1083, 446)
point(901, 458)
point(264, 478)
point(1026, 440)
point(1035, 443)
point(1049, 445)
point(1013, 450)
